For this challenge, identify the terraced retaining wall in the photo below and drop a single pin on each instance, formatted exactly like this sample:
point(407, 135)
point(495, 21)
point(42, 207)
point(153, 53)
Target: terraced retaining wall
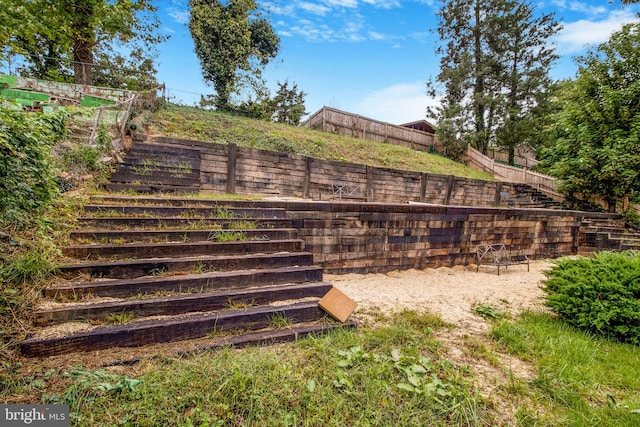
point(228, 168)
point(376, 237)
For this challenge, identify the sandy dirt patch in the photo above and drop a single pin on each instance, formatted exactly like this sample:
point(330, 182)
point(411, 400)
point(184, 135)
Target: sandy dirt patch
point(453, 293)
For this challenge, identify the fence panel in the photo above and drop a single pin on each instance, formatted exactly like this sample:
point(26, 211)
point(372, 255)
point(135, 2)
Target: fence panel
point(343, 123)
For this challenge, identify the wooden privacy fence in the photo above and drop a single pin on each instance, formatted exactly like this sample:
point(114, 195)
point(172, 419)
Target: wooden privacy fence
point(505, 173)
point(343, 123)
point(518, 160)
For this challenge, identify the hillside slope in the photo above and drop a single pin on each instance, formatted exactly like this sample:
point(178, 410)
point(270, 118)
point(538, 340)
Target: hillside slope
point(194, 123)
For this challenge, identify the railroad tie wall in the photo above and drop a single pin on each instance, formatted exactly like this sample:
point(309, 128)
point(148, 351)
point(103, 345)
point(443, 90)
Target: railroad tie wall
point(232, 169)
point(369, 238)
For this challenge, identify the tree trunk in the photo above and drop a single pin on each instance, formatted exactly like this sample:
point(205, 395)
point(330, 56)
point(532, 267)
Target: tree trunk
point(83, 64)
point(83, 42)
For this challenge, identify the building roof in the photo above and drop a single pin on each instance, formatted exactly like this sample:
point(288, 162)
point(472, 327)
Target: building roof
point(422, 125)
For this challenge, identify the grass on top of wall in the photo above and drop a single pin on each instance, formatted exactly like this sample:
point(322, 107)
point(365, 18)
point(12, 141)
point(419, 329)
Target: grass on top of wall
point(223, 128)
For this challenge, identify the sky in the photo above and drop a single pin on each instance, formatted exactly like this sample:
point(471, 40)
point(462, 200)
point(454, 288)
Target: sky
point(368, 57)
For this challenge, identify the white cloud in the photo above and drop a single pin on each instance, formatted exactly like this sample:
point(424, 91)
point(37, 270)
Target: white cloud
point(575, 36)
point(582, 7)
point(397, 104)
point(342, 3)
point(180, 16)
point(383, 4)
point(314, 8)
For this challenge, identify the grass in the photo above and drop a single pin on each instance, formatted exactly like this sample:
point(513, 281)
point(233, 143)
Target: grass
point(396, 373)
point(338, 379)
point(227, 236)
point(581, 380)
point(221, 128)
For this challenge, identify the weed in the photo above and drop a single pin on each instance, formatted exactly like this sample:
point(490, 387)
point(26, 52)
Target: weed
point(180, 170)
point(141, 170)
point(244, 225)
point(227, 236)
point(190, 213)
point(120, 318)
point(223, 213)
point(279, 320)
point(239, 305)
point(487, 312)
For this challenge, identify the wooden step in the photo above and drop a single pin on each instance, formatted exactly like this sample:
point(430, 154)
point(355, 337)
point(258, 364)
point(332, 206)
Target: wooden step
point(221, 211)
point(119, 222)
point(213, 235)
point(180, 304)
point(155, 176)
point(255, 338)
point(172, 329)
point(156, 250)
point(151, 188)
point(267, 337)
point(150, 267)
point(123, 288)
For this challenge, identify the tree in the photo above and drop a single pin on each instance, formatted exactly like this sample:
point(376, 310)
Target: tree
point(525, 60)
point(60, 38)
point(230, 40)
point(598, 127)
point(494, 69)
point(288, 104)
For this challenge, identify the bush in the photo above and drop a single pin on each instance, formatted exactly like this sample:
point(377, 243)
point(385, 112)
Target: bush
point(600, 295)
point(27, 184)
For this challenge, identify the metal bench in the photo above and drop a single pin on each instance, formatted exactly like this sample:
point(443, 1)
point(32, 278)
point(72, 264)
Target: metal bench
point(348, 191)
point(498, 255)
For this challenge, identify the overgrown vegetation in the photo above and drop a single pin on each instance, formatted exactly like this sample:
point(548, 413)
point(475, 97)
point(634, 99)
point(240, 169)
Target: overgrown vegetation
point(27, 186)
point(600, 295)
point(396, 373)
point(222, 128)
point(578, 379)
point(36, 154)
point(375, 376)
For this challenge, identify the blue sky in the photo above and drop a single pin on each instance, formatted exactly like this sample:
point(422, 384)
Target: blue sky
point(368, 57)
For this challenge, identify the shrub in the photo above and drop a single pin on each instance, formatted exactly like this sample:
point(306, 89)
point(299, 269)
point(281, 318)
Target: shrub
point(27, 183)
point(600, 295)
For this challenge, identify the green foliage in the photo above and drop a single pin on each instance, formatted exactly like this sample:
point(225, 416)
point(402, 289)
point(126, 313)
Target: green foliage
point(343, 378)
point(493, 71)
point(632, 218)
point(23, 270)
point(576, 378)
point(597, 128)
point(288, 104)
point(230, 39)
point(227, 236)
point(27, 186)
point(487, 311)
point(60, 40)
point(91, 386)
point(600, 295)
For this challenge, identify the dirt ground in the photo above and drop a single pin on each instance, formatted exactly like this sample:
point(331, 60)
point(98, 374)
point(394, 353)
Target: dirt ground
point(453, 293)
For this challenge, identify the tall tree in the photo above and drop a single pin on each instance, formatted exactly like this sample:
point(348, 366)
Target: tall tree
point(525, 60)
point(230, 39)
point(60, 38)
point(493, 69)
point(598, 126)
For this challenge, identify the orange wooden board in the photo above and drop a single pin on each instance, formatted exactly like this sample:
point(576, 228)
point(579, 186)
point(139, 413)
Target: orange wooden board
point(337, 304)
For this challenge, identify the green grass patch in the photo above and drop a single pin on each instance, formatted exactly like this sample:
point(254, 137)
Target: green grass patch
point(372, 376)
point(581, 380)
